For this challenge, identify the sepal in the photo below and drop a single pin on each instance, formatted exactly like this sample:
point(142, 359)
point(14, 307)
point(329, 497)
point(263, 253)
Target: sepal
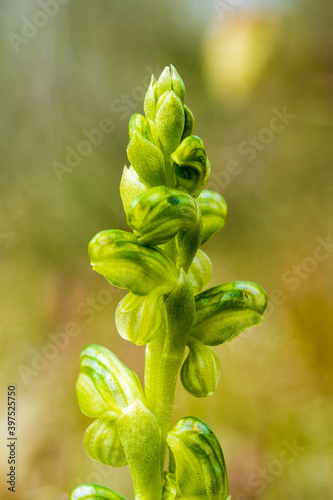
point(200, 272)
point(126, 263)
point(160, 213)
point(201, 370)
point(200, 466)
point(214, 211)
point(224, 311)
point(105, 383)
point(94, 492)
point(102, 443)
point(139, 319)
point(189, 123)
point(191, 165)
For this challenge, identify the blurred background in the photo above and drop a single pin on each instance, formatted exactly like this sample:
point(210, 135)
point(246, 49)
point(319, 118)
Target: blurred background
point(259, 80)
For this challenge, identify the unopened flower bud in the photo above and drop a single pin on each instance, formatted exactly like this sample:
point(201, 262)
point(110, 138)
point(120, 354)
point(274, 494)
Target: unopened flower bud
point(177, 84)
point(200, 467)
point(160, 213)
point(224, 311)
point(163, 84)
point(167, 82)
point(214, 211)
point(170, 121)
point(191, 164)
point(170, 80)
point(144, 150)
point(150, 100)
point(201, 370)
point(126, 263)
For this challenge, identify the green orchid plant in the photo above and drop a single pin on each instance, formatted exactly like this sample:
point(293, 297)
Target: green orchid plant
point(164, 270)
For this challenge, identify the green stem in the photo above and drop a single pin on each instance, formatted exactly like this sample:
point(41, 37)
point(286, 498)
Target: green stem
point(163, 361)
point(164, 356)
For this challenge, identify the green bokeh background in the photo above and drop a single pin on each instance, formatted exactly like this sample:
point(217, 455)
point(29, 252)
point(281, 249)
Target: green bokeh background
point(239, 61)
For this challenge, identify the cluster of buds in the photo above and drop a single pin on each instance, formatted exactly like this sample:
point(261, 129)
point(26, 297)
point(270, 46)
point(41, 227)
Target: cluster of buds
point(164, 270)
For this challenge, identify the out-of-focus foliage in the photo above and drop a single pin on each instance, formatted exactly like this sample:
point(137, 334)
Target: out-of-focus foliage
point(259, 82)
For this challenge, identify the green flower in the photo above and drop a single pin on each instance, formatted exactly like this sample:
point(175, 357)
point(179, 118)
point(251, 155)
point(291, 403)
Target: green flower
point(94, 492)
point(160, 213)
point(126, 263)
point(201, 370)
point(224, 311)
point(105, 388)
point(200, 470)
point(191, 165)
point(140, 319)
point(102, 442)
point(164, 271)
point(214, 211)
point(105, 383)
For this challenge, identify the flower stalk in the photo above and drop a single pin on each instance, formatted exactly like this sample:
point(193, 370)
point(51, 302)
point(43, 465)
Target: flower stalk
point(162, 267)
